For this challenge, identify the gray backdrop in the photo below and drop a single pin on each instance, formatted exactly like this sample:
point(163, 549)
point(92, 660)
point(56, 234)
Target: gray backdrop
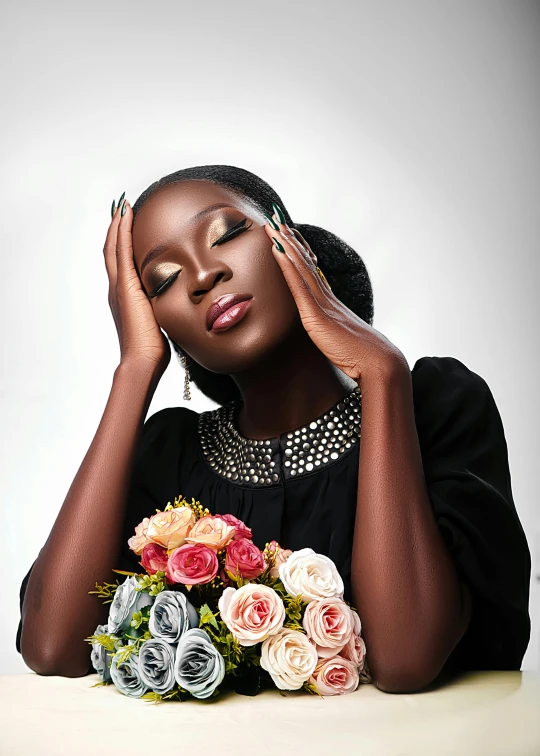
point(409, 129)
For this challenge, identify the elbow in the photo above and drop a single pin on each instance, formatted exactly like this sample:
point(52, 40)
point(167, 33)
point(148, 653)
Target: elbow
point(411, 678)
point(48, 662)
point(402, 682)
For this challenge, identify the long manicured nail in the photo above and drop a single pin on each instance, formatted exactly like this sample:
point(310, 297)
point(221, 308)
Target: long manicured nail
point(278, 211)
point(124, 207)
point(272, 222)
point(121, 198)
point(113, 206)
point(278, 245)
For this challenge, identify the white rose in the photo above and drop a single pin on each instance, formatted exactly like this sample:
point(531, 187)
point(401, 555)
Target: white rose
point(313, 576)
point(289, 657)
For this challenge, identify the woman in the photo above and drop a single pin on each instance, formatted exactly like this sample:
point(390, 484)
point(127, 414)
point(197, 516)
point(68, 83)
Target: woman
point(323, 438)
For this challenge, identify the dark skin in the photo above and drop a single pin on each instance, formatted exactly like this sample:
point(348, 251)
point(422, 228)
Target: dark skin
point(303, 350)
point(268, 353)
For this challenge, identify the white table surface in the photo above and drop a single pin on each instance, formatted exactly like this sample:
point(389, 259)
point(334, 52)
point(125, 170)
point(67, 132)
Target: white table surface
point(488, 713)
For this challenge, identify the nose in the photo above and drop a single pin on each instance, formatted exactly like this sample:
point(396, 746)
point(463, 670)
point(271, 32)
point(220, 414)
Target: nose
point(205, 275)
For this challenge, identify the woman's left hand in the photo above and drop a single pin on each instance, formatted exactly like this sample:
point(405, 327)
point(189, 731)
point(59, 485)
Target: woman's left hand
point(348, 341)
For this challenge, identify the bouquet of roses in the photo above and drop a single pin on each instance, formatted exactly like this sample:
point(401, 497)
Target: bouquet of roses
point(212, 609)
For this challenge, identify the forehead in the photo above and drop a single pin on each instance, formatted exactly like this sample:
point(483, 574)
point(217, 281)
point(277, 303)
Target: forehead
point(169, 212)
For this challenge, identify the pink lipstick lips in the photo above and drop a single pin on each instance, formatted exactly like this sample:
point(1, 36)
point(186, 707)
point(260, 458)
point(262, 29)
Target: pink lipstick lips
point(227, 310)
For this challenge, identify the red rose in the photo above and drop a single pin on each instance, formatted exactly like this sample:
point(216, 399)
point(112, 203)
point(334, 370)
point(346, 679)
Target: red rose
point(242, 530)
point(244, 557)
point(191, 564)
point(154, 558)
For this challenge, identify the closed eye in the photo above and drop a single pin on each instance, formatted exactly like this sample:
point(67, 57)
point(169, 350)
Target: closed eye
point(234, 231)
point(230, 234)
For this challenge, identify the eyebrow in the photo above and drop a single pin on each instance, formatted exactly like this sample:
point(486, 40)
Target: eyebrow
point(161, 248)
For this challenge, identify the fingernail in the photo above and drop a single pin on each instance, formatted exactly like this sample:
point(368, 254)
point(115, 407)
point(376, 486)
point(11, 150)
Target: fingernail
point(272, 222)
point(113, 208)
point(124, 207)
point(121, 198)
point(279, 213)
point(278, 245)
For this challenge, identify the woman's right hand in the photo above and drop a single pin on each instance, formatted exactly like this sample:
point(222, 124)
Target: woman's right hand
point(141, 340)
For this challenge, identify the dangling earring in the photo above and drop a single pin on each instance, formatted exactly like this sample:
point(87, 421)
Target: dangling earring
point(319, 271)
point(183, 362)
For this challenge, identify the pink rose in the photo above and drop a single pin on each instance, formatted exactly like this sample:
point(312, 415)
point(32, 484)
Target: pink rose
point(335, 676)
point(252, 613)
point(154, 558)
point(244, 557)
point(212, 531)
point(241, 529)
point(281, 557)
point(329, 625)
point(137, 542)
point(355, 651)
point(191, 564)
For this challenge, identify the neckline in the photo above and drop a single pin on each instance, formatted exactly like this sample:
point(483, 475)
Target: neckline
point(305, 450)
point(235, 405)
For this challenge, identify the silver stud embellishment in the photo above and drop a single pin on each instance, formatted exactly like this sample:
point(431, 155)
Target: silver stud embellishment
point(256, 463)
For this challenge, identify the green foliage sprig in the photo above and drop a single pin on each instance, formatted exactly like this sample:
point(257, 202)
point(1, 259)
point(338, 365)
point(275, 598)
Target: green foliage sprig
point(104, 639)
point(106, 591)
point(153, 584)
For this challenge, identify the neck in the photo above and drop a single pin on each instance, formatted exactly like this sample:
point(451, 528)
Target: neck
point(289, 388)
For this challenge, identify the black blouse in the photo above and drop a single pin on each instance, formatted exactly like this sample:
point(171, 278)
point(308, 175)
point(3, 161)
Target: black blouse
point(312, 503)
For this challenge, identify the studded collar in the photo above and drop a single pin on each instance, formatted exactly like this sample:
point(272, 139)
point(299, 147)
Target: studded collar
point(257, 463)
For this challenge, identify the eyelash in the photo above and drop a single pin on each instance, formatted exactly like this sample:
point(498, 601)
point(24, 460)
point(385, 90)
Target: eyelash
point(230, 234)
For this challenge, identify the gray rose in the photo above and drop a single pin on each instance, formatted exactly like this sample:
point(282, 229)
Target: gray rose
point(126, 601)
point(156, 665)
point(100, 657)
point(199, 667)
point(171, 615)
point(126, 676)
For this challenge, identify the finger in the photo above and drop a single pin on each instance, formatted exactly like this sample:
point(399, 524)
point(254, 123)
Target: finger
point(125, 265)
point(109, 248)
point(301, 258)
point(299, 286)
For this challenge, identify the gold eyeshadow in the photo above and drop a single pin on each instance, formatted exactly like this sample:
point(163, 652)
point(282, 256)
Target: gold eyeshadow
point(161, 272)
point(216, 229)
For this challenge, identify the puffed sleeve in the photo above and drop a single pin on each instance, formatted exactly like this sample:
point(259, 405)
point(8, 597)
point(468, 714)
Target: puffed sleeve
point(465, 459)
point(144, 495)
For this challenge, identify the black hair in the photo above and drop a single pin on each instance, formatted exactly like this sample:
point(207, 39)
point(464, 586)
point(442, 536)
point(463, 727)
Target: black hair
point(342, 266)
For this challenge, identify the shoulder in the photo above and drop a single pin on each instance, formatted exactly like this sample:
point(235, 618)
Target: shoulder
point(432, 374)
point(170, 424)
point(449, 381)
point(451, 399)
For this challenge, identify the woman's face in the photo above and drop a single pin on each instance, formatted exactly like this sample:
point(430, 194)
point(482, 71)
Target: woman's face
point(203, 261)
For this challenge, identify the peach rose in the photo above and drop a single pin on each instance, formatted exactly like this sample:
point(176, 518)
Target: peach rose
point(191, 564)
point(335, 676)
point(240, 528)
point(289, 657)
point(281, 557)
point(212, 531)
point(329, 625)
point(245, 558)
point(169, 528)
point(252, 613)
point(154, 558)
point(355, 651)
point(137, 542)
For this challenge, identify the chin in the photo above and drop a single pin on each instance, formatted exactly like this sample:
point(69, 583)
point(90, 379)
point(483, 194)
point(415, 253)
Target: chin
point(239, 349)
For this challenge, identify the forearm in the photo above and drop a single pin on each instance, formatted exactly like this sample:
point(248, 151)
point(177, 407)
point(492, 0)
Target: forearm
point(84, 543)
point(404, 582)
